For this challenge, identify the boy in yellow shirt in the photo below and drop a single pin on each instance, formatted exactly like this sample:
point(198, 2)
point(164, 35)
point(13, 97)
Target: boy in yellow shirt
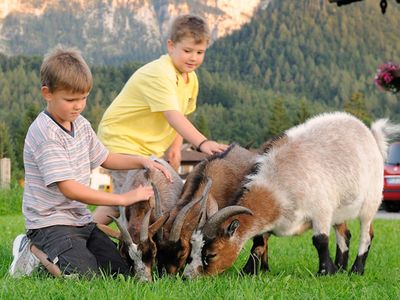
point(148, 117)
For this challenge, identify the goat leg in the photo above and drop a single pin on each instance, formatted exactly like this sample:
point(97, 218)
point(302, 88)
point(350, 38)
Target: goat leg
point(326, 265)
point(258, 259)
point(343, 237)
point(359, 264)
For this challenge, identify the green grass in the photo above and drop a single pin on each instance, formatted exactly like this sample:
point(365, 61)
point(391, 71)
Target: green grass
point(11, 201)
point(293, 263)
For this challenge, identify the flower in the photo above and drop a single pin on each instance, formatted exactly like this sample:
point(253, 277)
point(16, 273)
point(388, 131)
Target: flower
point(388, 77)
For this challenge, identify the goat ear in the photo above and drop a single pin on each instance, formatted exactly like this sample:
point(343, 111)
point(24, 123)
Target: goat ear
point(212, 206)
point(230, 230)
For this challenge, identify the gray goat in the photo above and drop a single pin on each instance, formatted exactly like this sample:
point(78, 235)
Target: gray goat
point(137, 235)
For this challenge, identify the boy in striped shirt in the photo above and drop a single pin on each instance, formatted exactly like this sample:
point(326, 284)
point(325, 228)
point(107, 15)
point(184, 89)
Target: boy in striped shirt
point(60, 151)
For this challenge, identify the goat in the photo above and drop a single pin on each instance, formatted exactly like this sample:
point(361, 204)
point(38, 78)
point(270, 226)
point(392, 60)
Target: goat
point(225, 170)
point(318, 174)
point(138, 244)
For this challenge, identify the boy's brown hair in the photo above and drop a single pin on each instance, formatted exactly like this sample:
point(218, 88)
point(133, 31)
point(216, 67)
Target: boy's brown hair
point(65, 69)
point(189, 26)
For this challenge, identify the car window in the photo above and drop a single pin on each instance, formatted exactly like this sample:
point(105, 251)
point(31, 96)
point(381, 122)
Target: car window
point(394, 154)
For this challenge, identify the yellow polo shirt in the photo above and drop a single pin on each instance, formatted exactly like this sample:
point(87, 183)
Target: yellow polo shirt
point(134, 122)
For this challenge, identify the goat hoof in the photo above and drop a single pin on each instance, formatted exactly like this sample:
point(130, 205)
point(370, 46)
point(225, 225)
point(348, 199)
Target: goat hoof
point(357, 270)
point(253, 269)
point(328, 270)
point(249, 271)
point(251, 266)
point(322, 273)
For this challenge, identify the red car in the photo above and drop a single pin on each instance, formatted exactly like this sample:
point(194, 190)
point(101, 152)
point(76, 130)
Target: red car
point(391, 187)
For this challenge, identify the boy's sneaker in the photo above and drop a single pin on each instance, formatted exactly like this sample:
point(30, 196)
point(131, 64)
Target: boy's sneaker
point(24, 262)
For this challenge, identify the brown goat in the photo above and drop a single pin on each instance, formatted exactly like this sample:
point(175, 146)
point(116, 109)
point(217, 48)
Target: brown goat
point(199, 197)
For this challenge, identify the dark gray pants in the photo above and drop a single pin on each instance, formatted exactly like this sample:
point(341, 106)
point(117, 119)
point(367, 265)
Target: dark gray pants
point(85, 250)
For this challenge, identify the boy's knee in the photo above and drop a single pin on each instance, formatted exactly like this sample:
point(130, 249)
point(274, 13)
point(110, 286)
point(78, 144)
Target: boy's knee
point(72, 256)
point(75, 258)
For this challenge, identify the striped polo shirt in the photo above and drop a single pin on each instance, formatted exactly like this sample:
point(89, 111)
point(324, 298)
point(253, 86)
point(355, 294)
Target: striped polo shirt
point(51, 155)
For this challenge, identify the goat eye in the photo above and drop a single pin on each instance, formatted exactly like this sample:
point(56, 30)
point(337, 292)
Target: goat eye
point(208, 258)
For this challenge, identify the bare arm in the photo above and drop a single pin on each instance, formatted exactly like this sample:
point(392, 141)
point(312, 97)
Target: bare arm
point(173, 154)
point(186, 129)
point(116, 161)
point(82, 193)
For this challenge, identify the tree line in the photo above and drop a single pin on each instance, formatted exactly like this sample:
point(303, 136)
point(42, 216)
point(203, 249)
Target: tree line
point(228, 110)
point(293, 60)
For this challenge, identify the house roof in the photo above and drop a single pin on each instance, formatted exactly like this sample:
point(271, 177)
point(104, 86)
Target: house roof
point(190, 156)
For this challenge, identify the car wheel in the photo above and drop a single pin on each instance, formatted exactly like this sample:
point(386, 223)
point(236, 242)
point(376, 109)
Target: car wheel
point(391, 206)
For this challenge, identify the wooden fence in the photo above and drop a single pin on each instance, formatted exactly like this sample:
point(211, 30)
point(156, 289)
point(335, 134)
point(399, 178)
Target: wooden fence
point(5, 173)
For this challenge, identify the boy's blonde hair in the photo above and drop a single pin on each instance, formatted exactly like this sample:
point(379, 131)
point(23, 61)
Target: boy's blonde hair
point(189, 26)
point(65, 69)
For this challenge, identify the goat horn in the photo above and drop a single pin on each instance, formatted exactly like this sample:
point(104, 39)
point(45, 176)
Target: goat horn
point(178, 223)
point(211, 227)
point(158, 224)
point(204, 197)
point(144, 229)
point(158, 209)
point(125, 236)
point(180, 218)
point(133, 252)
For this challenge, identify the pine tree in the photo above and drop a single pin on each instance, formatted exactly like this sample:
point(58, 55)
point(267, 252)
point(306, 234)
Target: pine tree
point(303, 113)
point(23, 126)
point(6, 148)
point(94, 111)
point(279, 120)
point(356, 106)
point(202, 125)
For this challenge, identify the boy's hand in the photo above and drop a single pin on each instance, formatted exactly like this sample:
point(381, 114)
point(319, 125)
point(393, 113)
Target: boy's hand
point(141, 193)
point(211, 147)
point(149, 164)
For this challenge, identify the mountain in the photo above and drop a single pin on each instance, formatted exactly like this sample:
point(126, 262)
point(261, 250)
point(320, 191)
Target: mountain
point(288, 60)
point(110, 31)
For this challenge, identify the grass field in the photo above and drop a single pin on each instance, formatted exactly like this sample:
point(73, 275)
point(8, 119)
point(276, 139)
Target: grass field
point(293, 263)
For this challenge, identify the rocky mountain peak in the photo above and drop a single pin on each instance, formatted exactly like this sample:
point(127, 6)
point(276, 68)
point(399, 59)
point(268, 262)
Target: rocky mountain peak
point(110, 30)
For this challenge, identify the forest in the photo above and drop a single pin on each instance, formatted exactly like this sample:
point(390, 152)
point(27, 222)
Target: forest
point(294, 60)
